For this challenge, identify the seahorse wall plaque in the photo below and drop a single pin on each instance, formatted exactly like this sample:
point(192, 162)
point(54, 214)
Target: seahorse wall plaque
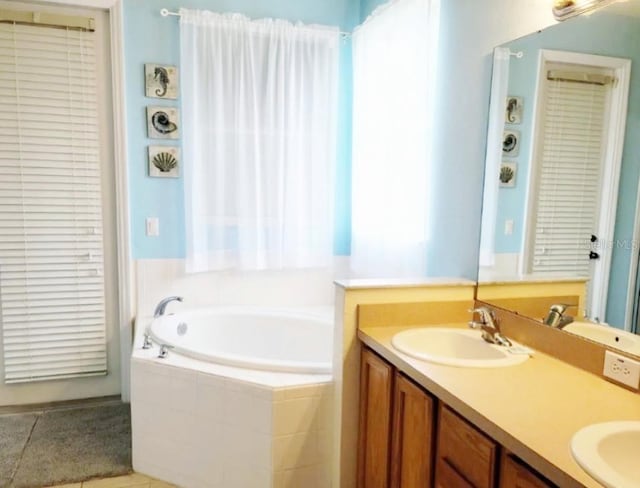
point(163, 122)
point(161, 81)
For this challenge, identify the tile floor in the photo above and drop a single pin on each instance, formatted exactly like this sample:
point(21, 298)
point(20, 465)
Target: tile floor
point(134, 480)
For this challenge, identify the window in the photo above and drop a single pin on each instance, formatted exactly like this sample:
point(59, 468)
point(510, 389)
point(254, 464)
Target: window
point(394, 59)
point(259, 125)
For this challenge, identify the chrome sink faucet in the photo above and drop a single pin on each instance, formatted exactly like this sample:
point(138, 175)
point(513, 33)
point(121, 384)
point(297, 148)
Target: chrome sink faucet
point(556, 317)
point(489, 326)
point(161, 307)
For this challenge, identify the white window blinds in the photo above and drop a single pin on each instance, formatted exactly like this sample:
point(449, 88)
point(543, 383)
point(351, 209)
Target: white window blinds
point(569, 184)
point(51, 248)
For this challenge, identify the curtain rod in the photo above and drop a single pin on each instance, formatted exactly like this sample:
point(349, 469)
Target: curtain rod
point(166, 13)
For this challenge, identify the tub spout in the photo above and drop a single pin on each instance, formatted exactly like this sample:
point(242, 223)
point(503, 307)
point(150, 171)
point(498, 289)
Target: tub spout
point(160, 308)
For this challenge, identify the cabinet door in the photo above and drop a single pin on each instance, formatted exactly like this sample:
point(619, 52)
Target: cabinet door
point(516, 474)
point(412, 438)
point(376, 383)
point(462, 447)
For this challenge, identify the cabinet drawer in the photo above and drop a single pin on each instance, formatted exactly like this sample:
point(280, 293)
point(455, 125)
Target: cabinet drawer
point(516, 474)
point(469, 451)
point(448, 477)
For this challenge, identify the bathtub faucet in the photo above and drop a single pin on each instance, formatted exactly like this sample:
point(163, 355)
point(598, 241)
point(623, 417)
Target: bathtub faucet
point(160, 308)
point(147, 343)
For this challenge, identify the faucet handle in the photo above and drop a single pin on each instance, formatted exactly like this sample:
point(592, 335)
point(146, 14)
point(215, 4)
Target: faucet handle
point(164, 351)
point(562, 307)
point(486, 314)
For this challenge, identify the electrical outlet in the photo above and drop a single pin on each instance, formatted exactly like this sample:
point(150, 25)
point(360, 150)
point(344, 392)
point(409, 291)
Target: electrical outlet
point(621, 369)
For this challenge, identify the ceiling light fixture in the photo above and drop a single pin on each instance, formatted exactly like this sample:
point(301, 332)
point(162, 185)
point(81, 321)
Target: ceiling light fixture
point(564, 9)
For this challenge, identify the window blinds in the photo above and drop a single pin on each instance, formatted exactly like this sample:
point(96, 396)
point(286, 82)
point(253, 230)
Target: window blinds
point(51, 249)
point(569, 183)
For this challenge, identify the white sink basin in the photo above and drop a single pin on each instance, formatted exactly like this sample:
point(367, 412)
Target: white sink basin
point(609, 453)
point(454, 347)
point(609, 336)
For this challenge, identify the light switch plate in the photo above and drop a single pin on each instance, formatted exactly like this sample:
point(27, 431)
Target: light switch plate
point(621, 369)
point(508, 227)
point(152, 227)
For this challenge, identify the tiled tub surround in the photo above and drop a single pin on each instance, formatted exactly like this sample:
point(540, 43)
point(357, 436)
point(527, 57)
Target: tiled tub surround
point(156, 279)
point(199, 424)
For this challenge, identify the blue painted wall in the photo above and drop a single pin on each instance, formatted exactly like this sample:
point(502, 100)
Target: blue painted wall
point(512, 201)
point(151, 38)
point(469, 32)
point(368, 6)
point(604, 34)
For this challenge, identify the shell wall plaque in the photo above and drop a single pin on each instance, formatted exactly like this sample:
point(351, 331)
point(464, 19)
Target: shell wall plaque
point(163, 122)
point(164, 161)
point(508, 174)
point(511, 143)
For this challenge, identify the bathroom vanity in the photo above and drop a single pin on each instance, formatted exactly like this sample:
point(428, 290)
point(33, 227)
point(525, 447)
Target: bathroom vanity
point(412, 452)
point(425, 424)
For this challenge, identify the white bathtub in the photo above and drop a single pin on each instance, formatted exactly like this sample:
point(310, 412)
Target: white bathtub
point(244, 399)
point(255, 338)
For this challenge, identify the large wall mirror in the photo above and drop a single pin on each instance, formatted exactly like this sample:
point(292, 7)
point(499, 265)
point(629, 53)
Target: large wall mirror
point(563, 163)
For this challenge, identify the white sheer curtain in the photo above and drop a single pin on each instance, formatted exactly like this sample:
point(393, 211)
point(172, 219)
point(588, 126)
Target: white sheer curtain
point(499, 84)
point(394, 59)
point(259, 105)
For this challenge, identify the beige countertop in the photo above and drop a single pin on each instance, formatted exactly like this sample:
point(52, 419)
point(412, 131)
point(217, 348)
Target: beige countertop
point(527, 279)
point(365, 283)
point(533, 409)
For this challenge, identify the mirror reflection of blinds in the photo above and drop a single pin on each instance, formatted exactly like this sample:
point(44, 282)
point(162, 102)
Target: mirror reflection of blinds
point(569, 179)
point(51, 244)
point(579, 77)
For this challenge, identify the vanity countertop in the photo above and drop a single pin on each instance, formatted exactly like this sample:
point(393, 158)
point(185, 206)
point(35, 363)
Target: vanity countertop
point(363, 283)
point(533, 409)
point(501, 279)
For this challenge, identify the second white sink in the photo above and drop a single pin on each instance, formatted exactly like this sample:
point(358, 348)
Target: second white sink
point(454, 347)
point(609, 453)
point(609, 336)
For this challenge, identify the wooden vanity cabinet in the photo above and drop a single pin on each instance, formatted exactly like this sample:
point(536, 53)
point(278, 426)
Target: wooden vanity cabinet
point(516, 474)
point(465, 456)
point(395, 446)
